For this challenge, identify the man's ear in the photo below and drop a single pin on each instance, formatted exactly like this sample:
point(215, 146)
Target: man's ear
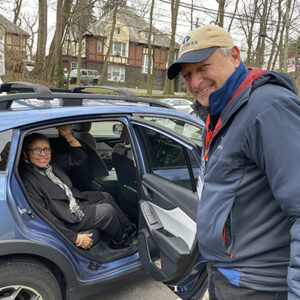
point(235, 56)
point(25, 154)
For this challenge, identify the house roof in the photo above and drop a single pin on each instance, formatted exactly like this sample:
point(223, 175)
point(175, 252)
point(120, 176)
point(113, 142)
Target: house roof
point(11, 27)
point(135, 23)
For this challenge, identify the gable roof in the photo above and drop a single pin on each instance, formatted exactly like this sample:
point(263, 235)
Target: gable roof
point(136, 24)
point(10, 27)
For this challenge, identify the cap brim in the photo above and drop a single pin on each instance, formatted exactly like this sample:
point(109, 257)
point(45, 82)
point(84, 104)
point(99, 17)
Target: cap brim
point(191, 57)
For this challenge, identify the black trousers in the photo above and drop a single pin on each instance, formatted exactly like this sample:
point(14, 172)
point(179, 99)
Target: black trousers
point(110, 219)
point(219, 288)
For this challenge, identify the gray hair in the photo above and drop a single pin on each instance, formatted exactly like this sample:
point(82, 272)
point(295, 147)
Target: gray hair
point(225, 51)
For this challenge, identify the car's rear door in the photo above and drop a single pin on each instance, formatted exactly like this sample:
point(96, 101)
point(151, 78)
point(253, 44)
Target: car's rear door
point(167, 209)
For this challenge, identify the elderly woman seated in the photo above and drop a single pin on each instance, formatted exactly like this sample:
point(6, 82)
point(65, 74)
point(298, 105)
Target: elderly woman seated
point(73, 212)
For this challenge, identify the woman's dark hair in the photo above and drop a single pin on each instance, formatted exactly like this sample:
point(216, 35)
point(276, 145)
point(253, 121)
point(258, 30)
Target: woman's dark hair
point(29, 139)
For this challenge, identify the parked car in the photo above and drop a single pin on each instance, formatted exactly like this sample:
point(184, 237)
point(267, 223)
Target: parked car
point(182, 105)
point(87, 76)
point(154, 181)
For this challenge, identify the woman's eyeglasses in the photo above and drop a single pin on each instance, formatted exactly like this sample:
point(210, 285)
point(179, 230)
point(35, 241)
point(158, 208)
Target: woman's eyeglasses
point(40, 150)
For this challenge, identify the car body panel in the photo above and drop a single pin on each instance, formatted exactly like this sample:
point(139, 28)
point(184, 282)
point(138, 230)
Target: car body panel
point(23, 226)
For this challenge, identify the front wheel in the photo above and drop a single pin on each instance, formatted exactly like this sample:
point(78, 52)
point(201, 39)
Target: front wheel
point(27, 279)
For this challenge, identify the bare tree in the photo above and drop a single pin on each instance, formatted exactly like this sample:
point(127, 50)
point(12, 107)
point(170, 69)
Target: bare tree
point(42, 39)
point(249, 11)
point(233, 15)
point(50, 63)
point(110, 42)
point(58, 46)
point(286, 40)
point(150, 56)
point(169, 84)
point(272, 56)
point(262, 34)
point(30, 22)
point(17, 10)
point(221, 12)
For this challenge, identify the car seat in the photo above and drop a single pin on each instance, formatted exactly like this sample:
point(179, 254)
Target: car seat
point(83, 176)
point(125, 167)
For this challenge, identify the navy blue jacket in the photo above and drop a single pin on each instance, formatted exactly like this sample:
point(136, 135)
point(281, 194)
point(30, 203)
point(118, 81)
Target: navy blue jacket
point(248, 222)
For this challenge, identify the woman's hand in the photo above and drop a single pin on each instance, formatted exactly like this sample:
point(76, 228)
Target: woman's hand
point(84, 240)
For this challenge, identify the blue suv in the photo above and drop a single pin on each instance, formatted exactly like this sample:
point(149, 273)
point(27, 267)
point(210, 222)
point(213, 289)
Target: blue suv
point(141, 151)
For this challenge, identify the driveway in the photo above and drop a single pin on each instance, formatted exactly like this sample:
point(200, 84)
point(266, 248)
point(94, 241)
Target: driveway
point(143, 289)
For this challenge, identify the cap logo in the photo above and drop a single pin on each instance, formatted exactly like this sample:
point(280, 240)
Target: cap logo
point(187, 46)
point(186, 39)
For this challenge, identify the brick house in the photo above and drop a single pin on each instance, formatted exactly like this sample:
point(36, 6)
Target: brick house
point(128, 58)
point(13, 43)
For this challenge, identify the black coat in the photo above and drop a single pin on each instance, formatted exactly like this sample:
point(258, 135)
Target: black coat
point(51, 200)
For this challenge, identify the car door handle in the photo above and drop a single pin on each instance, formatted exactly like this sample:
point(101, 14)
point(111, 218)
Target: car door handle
point(147, 192)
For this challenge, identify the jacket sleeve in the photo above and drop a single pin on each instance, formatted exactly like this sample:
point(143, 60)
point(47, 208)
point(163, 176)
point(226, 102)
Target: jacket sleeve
point(75, 157)
point(273, 143)
point(38, 203)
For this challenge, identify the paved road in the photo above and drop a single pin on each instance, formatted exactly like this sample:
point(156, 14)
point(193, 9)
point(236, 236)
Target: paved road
point(143, 289)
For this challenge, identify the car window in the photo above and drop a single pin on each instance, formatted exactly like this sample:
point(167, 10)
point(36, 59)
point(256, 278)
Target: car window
point(83, 72)
point(168, 158)
point(106, 128)
point(5, 139)
point(179, 126)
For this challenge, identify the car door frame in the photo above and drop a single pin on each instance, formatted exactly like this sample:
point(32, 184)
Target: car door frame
point(180, 281)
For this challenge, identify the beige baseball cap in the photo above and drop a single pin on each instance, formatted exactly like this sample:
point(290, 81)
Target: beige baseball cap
point(199, 44)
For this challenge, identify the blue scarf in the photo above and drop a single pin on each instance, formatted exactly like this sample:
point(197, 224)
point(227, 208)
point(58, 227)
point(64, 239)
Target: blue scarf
point(219, 98)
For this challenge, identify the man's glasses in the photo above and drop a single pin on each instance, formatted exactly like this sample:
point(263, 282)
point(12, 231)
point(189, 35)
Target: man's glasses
point(40, 150)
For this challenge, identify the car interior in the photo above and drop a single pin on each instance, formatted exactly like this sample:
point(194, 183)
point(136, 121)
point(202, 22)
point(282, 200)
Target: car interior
point(110, 167)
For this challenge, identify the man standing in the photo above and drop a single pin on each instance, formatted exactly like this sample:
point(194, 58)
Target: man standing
point(248, 223)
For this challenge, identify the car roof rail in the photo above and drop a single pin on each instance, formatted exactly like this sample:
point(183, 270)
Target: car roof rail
point(42, 91)
point(72, 97)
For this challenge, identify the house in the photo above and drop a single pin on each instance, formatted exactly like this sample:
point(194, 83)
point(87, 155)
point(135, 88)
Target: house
point(128, 57)
point(12, 43)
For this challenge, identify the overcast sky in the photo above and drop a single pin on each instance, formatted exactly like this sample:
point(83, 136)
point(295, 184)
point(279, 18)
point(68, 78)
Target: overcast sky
point(162, 15)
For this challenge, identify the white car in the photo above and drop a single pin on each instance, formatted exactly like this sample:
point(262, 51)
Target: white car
point(179, 104)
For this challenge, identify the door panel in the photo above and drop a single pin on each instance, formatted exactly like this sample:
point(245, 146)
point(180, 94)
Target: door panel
point(167, 239)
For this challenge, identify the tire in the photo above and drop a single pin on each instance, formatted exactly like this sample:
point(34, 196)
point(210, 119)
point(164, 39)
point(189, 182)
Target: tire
point(27, 279)
point(94, 82)
point(73, 80)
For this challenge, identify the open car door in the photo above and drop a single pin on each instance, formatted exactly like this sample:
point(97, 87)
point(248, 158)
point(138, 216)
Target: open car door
point(167, 239)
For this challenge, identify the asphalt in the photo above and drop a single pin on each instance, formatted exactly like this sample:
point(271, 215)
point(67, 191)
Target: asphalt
point(143, 289)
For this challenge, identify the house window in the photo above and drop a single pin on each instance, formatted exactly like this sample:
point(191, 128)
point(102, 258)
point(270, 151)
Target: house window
point(118, 48)
point(146, 34)
point(116, 73)
point(99, 46)
point(74, 65)
point(145, 60)
point(15, 41)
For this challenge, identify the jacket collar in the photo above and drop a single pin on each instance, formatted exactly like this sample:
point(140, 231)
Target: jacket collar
point(219, 98)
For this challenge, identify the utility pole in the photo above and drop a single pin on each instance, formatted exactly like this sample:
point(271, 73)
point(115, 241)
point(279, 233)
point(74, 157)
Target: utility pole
point(286, 40)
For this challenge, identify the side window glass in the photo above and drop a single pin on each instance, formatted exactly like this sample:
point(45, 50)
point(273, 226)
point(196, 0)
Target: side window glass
point(169, 159)
point(5, 139)
point(179, 126)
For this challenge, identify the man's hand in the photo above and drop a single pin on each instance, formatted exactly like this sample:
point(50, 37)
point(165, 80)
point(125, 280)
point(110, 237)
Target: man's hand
point(65, 132)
